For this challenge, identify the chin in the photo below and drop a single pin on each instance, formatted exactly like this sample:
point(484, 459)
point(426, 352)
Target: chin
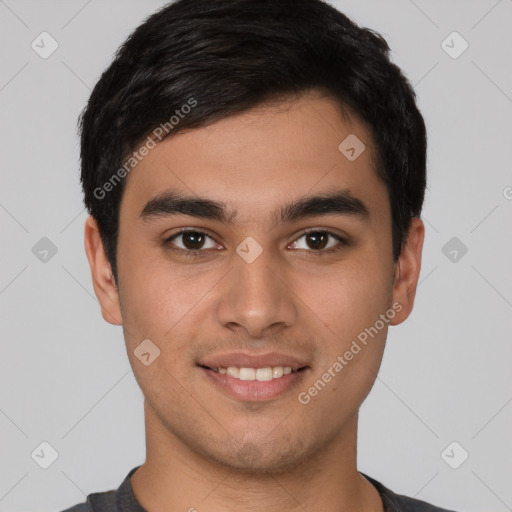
point(253, 459)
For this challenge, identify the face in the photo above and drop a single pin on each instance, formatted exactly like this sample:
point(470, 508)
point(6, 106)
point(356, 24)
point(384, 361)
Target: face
point(291, 267)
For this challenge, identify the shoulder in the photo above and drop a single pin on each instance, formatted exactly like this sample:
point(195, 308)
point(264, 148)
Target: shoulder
point(96, 502)
point(108, 501)
point(79, 507)
point(413, 505)
point(400, 503)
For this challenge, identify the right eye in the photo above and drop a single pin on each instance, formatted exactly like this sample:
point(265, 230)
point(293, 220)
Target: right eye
point(192, 242)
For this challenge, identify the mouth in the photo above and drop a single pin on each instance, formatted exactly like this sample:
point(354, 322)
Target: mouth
point(254, 384)
point(260, 374)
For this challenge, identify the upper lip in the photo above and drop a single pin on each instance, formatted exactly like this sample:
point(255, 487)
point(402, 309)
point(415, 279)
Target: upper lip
point(248, 360)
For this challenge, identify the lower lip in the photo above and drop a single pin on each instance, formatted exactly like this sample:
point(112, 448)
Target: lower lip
point(254, 390)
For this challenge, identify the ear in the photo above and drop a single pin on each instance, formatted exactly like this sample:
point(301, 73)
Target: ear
point(407, 270)
point(101, 272)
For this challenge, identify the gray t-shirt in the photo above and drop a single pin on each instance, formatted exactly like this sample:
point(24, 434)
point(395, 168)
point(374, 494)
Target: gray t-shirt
point(123, 500)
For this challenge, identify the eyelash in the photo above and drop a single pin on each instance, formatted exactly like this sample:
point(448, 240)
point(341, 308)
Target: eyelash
point(190, 253)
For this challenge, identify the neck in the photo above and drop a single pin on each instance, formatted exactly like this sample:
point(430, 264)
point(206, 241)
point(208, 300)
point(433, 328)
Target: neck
point(175, 477)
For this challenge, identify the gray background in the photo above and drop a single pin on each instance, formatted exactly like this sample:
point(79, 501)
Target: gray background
point(65, 376)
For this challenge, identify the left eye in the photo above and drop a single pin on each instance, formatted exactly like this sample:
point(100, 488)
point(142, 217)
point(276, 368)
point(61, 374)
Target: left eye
point(318, 240)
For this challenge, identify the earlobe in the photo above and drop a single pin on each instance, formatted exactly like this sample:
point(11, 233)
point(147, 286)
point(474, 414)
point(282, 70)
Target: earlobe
point(407, 270)
point(101, 272)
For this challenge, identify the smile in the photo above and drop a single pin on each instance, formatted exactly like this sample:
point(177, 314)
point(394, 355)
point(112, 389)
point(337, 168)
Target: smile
point(254, 384)
point(261, 374)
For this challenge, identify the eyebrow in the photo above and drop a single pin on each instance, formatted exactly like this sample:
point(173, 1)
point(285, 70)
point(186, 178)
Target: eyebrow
point(338, 202)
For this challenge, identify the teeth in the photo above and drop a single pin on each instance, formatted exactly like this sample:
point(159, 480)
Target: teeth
point(247, 374)
point(233, 372)
point(263, 374)
point(277, 372)
point(260, 374)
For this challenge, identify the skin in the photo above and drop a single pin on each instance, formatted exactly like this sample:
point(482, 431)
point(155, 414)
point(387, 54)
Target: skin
point(210, 451)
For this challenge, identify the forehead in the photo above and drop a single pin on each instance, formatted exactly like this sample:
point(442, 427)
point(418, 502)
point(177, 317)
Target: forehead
point(259, 159)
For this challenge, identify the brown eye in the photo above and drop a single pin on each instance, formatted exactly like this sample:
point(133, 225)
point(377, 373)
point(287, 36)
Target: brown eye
point(317, 240)
point(320, 242)
point(191, 242)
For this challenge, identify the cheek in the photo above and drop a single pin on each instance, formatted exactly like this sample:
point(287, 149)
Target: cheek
point(351, 340)
point(149, 285)
point(162, 301)
point(349, 298)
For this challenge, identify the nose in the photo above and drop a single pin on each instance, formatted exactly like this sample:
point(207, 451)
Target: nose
point(257, 297)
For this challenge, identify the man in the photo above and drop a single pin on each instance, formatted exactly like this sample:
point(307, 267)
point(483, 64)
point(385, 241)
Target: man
point(255, 174)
